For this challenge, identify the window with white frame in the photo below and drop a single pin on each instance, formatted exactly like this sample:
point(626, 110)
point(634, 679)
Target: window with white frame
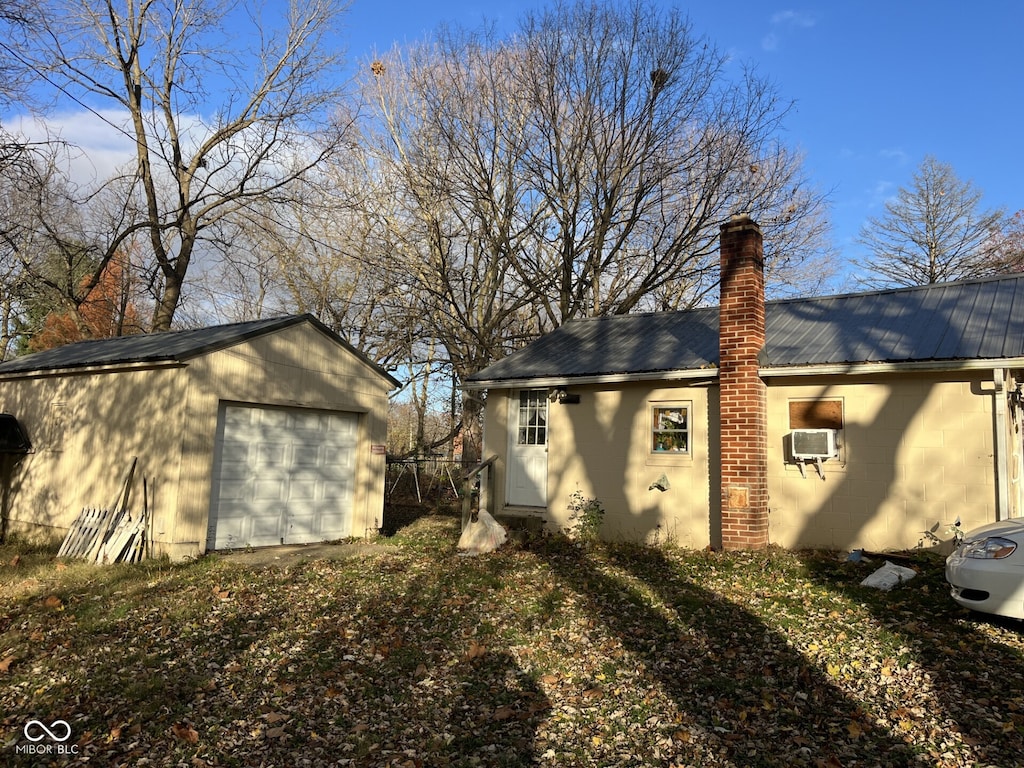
point(670, 428)
point(533, 417)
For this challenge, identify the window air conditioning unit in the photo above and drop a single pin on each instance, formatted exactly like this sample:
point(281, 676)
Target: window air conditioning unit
point(813, 444)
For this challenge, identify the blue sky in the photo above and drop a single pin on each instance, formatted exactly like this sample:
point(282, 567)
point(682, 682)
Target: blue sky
point(876, 85)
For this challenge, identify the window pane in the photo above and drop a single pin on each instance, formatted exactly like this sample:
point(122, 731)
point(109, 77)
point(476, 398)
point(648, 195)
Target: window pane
point(670, 429)
point(533, 417)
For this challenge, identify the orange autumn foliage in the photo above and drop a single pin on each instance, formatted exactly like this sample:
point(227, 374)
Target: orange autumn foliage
point(98, 316)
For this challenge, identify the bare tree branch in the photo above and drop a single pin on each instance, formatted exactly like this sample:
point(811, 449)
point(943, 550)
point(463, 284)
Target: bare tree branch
point(199, 160)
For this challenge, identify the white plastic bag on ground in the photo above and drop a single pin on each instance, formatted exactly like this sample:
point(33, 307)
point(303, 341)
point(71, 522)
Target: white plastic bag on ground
point(888, 576)
point(485, 535)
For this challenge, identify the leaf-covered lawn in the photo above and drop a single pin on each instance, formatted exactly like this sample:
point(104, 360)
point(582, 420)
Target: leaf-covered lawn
point(543, 653)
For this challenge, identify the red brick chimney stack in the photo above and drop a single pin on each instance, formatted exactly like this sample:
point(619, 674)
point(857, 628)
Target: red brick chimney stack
point(744, 439)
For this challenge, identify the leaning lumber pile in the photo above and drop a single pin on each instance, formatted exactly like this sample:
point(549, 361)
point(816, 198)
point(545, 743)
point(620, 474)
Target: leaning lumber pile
point(109, 535)
point(105, 536)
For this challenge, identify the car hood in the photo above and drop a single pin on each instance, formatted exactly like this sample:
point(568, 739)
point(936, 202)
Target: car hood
point(1011, 529)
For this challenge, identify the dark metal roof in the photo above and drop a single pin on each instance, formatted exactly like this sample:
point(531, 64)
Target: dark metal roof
point(971, 320)
point(168, 347)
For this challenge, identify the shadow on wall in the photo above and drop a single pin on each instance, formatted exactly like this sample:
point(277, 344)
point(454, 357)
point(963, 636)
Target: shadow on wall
point(889, 425)
point(86, 431)
point(590, 431)
point(8, 488)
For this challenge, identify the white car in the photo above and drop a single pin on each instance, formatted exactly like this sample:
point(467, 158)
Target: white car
point(986, 572)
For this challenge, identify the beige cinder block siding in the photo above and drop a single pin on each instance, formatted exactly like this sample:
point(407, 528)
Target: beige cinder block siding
point(917, 451)
point(600, 446)
point(167, 416)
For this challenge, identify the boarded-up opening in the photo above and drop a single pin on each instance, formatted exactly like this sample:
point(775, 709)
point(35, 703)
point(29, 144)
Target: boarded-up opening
point(815, 414)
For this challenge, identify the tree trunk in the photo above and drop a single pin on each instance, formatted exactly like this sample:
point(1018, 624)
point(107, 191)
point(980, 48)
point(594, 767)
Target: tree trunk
point(472, 428)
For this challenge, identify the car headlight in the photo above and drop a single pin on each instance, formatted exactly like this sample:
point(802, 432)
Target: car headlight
point(994, 548)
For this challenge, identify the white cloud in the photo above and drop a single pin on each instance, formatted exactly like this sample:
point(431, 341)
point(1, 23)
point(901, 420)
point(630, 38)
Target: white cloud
point(97, 142)
point(793, 19)
point(896, 154)
point(784, 21)
point(881, 193)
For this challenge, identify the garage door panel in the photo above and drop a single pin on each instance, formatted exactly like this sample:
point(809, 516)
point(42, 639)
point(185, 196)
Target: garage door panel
point(238, 471)
point(306, 455)
point(265, 529)
point(274, 418)
point(235, 490)
point(301, 490)
point(237, 417)
point(340, 458)
point(232, 530)
point(269, 490)
point(282, 475)
point(270, 455)
point(337, 489)
point(307, 422)
point(303, 527)
point(340, 424)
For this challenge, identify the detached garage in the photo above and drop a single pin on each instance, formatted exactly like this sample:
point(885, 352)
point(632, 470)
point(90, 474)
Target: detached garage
point(250, 434)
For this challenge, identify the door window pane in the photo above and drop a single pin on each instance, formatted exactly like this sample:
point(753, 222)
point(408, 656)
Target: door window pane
point(533, 418)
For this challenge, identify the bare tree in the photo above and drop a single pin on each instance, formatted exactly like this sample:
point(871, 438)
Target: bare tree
point(450, 204)
point(641, 146)
point(581, 166)
point(224, 107)
point(46, 252)
point(934, 231)
point(1008, 252)
point(17, 17)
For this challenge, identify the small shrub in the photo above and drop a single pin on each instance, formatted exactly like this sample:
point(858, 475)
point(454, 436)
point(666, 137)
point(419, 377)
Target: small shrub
point(585, 517)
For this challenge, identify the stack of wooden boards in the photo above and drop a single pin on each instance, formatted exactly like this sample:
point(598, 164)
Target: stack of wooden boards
point(109, 535)
point(105, 536)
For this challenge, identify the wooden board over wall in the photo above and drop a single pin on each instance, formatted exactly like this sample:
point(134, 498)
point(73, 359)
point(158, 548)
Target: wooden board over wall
point(815, 414)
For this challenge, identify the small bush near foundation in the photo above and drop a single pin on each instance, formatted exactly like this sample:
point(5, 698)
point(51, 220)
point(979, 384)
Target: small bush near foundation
point(585, 517)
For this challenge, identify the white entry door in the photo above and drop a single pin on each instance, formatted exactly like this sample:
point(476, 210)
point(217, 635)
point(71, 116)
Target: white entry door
point(281, 476)
point(528, 452)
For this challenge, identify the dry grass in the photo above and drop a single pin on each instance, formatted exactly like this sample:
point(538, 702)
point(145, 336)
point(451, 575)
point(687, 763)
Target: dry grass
point(543, 653)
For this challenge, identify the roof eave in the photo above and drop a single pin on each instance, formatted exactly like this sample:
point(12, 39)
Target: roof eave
point(541, 382)
point(711, 372)
point(75, 370)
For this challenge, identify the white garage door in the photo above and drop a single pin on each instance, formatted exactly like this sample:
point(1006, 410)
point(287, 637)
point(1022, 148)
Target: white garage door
point(281, 476)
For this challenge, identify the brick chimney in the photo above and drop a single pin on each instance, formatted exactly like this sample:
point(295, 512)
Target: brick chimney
point(744, 438)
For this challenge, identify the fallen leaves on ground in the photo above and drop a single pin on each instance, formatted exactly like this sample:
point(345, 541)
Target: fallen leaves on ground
point(543, 653)
point(185, 732)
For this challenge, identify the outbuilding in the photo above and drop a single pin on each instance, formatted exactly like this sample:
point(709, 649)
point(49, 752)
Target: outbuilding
point(243, 435)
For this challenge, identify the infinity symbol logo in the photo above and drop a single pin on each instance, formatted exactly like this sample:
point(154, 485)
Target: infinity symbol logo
point(32, 728)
